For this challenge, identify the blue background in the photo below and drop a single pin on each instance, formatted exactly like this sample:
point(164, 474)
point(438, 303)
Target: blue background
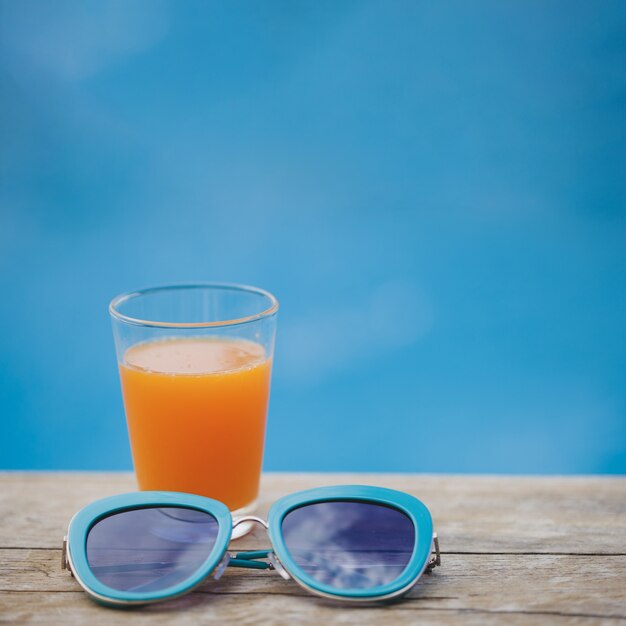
point(434, 190)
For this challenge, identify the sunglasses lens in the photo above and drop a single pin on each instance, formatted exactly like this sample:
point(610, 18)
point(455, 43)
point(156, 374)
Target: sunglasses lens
point(146, 550)
point(349, 545)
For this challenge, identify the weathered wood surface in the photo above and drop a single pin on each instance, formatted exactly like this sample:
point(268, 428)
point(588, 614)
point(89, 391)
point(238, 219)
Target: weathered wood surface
point(515, 551)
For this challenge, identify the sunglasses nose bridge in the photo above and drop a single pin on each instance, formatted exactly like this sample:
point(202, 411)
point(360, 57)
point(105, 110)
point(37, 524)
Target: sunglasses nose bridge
point(249, 519)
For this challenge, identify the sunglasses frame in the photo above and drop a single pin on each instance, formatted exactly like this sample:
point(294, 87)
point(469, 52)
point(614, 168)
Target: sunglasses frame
point(75, 549)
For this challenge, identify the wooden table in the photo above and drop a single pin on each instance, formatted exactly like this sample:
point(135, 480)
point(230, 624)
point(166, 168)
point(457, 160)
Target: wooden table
point(514, 551)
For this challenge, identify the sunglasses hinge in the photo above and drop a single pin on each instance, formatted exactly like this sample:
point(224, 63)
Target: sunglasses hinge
point(435, 560)
point(65, 564)
point(275, 564)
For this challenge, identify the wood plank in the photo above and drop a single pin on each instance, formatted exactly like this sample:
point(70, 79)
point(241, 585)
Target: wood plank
point(516, 550)
point(197, 609)
point(472, 514)
point(563, 584)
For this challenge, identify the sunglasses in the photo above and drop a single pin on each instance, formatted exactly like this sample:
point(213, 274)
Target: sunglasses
point(347, 543)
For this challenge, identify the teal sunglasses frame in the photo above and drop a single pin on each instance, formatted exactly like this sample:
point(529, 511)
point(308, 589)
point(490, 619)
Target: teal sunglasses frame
point(278, 557)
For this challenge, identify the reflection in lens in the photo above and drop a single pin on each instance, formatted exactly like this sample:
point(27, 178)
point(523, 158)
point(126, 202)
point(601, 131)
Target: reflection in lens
point(150, 549)
point(349, 545)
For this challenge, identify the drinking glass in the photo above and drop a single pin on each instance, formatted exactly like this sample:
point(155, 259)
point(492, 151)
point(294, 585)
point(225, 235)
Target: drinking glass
point(195, 363)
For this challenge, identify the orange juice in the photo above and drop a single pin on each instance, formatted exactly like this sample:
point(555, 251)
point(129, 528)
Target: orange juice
point(196, 410)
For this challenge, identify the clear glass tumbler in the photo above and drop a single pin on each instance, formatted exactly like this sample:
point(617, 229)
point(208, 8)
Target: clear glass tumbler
point(195, 363)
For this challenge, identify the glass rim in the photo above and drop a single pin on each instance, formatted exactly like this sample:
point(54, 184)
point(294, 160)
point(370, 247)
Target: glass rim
point(128, 295)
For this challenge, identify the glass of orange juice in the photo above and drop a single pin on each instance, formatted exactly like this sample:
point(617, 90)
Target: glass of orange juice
point(195, 364)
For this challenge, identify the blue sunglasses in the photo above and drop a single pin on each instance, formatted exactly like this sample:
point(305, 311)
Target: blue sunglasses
point(346, 543)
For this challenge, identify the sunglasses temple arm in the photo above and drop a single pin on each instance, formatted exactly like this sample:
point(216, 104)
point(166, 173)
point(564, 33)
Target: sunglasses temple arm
point(250, 560)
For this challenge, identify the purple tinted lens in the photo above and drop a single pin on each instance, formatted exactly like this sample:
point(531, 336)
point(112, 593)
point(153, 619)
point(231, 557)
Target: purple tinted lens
point(146, 550)
point(349, 545)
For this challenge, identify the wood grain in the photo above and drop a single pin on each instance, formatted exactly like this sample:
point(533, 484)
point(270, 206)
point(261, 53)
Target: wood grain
point(516, 550)
point(475, 582)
